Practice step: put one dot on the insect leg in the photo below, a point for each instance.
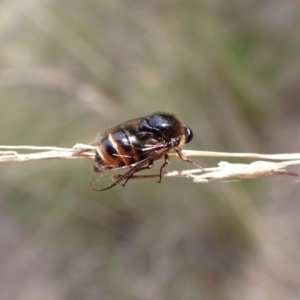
(167, 161)
(184, 158)
(149, 166)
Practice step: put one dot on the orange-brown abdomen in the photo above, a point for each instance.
(116, 150)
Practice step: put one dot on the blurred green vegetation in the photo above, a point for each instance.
(69, 69)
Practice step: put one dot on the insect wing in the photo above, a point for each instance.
(105, 180)
(131, 124)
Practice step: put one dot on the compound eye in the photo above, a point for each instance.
(188, 134)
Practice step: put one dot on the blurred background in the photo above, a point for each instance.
(69, 69)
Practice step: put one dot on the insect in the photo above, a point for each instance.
(136, 144)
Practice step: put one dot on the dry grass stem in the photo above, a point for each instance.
(225, 170)
(228, 170)
(78, 151)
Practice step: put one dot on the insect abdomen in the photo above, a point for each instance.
(116, 150)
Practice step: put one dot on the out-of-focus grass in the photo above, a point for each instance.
(69, 69)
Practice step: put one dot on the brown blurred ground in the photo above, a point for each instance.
(69, 69)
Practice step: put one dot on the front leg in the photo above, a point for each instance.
(184, 158)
